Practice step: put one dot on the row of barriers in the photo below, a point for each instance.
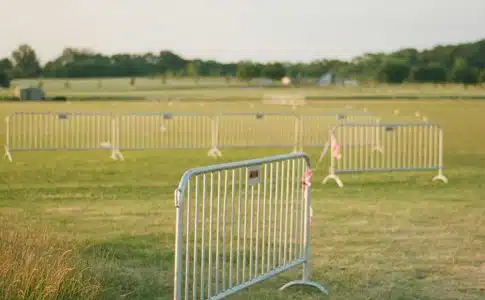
(356, 142)
(141, 131)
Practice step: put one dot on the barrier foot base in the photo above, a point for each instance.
(335, 178)
(378, 149)
(305, 282)
(116, 155)
(440, 177)
(214, 152)
(8, 155)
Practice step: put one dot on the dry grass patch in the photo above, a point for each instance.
(36, 265)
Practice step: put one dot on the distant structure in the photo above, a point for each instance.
(325, 80)
(285, 80)
(29, 93)
(330, 79)
(284, 99)
(261, 81)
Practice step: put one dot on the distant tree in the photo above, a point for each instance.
(171, 61)
(463, 73)
(247, 70)
(6, 65)
(274, 71)
(26, 63)
(434, 73)
(164, 77)
(193, 71)
(4, 79)
(438, 73)
(481, 78)
(228, 79)
(394, 71)
(5, 72)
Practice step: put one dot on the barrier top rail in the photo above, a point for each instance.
(257, 113)
(389, 124)
(227, 166)
(62, 113)
(162, 113)
(345, 113)
(166, 113)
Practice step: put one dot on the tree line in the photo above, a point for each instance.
(461, 63)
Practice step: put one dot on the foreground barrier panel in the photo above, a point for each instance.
(60, 132)
(404, 147)
(241, 223)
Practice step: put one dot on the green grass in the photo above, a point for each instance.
(383, 236)
(211, 88)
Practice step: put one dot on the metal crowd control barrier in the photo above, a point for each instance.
(161, 130)
(241, 223)
(60, 131)
(245, 130)
(314, 128)
(141, 131)
(404, 147)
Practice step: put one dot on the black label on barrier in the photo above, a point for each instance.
(167, 116)
(340, 116)
(254, 175)
(259, 116)
(62, 116)
(390, 128)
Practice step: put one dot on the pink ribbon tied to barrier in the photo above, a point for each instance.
(307, 182)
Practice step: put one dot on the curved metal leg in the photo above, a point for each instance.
(378, 148)
(8, 155)
(441, 177)
(305, 282)
(116, 154)
(335, 178)
(214, 152)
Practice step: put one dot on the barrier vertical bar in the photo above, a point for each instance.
(440, 175)
(7, 139)
(214, 151)
(297, 138)
(115, 139)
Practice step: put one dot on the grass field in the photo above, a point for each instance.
(383, 236)
(218, 88)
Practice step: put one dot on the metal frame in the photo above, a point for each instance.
(163, 130)
(210, 185)
(418, 146)
(73, 137)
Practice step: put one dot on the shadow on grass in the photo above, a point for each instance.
(141, 267)
(134, 267)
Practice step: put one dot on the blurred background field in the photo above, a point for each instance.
(213, 88)
(383, 236)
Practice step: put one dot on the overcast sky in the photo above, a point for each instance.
(229, 30)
